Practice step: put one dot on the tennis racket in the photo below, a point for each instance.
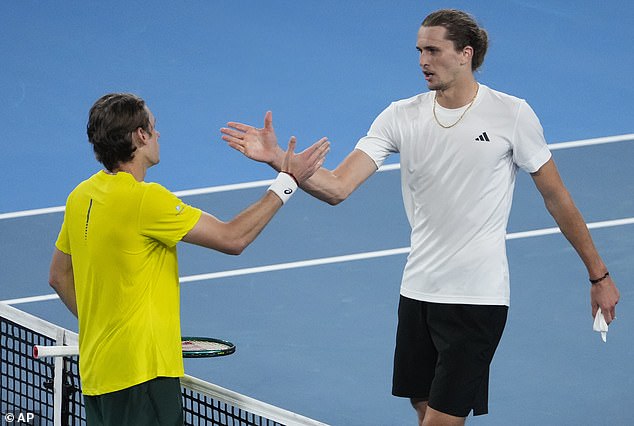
(193, 347)
(203, 347)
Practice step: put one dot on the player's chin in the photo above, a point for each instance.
(433, 86)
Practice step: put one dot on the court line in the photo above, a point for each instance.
(379, 253)
(261, 183)
(336, 259)
(593, 141)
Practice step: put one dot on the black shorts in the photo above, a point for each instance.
(443, 353)
(156, 402)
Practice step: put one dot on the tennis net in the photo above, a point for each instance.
(47, 391)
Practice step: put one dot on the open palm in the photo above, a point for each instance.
(261, 145)
(257, 144)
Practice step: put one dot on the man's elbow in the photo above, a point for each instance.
(233, 251)
(334, 201)
(337, 197)
(54, 281)
(234, 247)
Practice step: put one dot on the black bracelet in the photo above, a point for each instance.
(598, 280)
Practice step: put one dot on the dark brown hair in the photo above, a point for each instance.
(463, 31)
(112, 121)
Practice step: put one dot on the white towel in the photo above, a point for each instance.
(600, 325)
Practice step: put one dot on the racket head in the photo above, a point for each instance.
(205, 347)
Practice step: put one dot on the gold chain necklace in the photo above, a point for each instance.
(461, 115)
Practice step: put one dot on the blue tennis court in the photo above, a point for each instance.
(311, 305)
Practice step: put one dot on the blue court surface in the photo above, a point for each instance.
(311, 305)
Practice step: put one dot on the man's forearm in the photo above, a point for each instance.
(573, 226)
(62, 279)
(69, 298)
(335, 186)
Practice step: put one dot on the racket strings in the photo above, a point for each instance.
(201, 345)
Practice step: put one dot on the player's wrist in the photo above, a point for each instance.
(284, 186)
(599, 279)
(292, 176)
(278, 159)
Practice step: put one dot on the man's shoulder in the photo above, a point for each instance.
(499, 96)
(155, 188)
(414, 101)
(115, 185)
(85, 184)
(412, 105)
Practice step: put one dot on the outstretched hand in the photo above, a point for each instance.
(303, 165)
(261, 145)
(256, 144)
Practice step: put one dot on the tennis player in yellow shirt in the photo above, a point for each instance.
(115, 263)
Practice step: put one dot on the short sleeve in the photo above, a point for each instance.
(63, 240)
(530, 151)
(380, 141)
(164, 217)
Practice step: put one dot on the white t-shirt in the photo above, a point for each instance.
(457, 186)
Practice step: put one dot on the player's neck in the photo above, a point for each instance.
(138, 171)
(458, 95)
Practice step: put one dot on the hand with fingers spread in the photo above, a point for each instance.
(303, 165)
(257, 144)
(261, 144)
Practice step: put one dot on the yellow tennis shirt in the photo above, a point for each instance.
(122, 237)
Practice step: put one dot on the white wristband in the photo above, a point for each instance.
(284, 186)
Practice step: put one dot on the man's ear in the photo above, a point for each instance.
(139, 137)
(467, 54)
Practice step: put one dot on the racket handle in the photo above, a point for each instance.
(51, 351)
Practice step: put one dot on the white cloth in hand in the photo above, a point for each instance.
(600, 325)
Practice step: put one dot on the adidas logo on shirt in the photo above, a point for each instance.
(483, 138)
